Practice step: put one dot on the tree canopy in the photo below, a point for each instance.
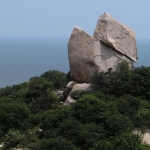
(31, 117)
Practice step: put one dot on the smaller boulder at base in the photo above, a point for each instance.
(84, 87)
(69, 101)
(70, 84)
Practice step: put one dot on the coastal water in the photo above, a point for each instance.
(21, 59)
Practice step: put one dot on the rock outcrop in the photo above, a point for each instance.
(65, 97)
(117, 35)
(145, 136)
(69, 101)
(112, 43)
(83, 52)
(88, 55)
(84, 87)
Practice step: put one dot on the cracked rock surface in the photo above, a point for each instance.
(88, 55)
(117, 35)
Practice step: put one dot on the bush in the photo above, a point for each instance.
(128, 105)
(52, 118)
(142, 118)
(89, 135)
(103, 145)
(31, 139)
(78, 94)
(70, 129)
(135, 82)
(103, 119)
(44, 102)
(59, 79)
(128, 141)
(5, 91)
(13, 115)
(90, 109)
(12, 138)
(37, 87)
(117, 124)
(58, 143)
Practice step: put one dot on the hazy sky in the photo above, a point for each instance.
(56, 18)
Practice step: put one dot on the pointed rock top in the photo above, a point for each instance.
(105, 13)
(117, 35)
(76, 28)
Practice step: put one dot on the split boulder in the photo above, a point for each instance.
(88, 55)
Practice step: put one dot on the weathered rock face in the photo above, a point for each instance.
(88, 55)
(70, 84)
(112, 43)
(82, 52)
(117, 35)
(68, 88)
(109, 58)
(69, 101)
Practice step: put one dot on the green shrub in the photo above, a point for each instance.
(128, 105)
(103, 145)
(91, 109)
(5, 91)
(31, 139)
(58, 143)
(70, 129)
(117, 124)
(78, 94)
(89, 135)
(12, 138)
(59, 79)
(52, 118)
(12, 115)
(128, 141)
(37, 87)
(135, 82)
(44, 102)
(103, 119)
(142, 118)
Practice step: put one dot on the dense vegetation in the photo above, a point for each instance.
(31, 117)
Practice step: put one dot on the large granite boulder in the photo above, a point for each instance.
(88, 55)
(117, 35)
(83, 49)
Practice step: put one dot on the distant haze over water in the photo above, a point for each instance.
(21, 59)
(143, 47)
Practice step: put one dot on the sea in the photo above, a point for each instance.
(23, 58)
